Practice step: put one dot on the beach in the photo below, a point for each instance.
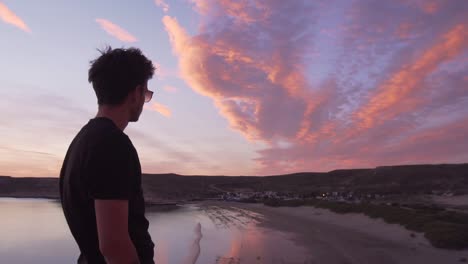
(336, 238)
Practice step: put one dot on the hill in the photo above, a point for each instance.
(405, 179)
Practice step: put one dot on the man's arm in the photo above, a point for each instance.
(112, 226)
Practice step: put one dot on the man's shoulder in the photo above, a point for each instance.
(113, 141)
(103, 132)
(98, 140)
(92, 141)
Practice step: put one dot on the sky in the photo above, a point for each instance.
(248, 87)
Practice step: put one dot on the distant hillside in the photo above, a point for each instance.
(388, 179)
(407, 179)
(29, 187)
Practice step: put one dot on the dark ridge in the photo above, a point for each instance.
(402, 179)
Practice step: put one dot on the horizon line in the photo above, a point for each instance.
(299, 172)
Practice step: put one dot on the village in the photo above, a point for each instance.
(336, 196)
(328, 196)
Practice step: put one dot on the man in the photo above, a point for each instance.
(100, 179)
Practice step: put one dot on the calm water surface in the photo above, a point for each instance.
(35, 231)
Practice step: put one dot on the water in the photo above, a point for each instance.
(35, 231)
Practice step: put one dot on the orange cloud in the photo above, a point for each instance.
(394, 96)
(236, 79)
(247, 126)
(160, 108)
(177, 35)
(191, 57)
(116, 31)
(256, 69)
(245, 11)
(11, 18)
(189, 54)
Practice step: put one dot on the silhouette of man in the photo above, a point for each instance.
(100, 179)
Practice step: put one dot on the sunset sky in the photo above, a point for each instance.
(243, 87)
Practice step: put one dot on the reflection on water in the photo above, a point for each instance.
(35, 231)
(194, 251)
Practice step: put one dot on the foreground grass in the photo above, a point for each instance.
(443, 228)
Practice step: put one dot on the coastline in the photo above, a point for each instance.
(329, 237)
(345, 238)
(149, 204)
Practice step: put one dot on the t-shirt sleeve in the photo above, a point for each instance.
(109, 170)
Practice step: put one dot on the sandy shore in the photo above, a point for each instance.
(338, 238)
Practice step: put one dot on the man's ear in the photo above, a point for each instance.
(136, 93)
(140, 89)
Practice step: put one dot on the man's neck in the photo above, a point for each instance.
(116, 114)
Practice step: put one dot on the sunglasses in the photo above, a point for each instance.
(148, 95)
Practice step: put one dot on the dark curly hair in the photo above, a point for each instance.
(117, 72)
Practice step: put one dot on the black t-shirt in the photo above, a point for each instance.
(101, 163)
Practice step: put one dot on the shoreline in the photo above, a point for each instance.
(346, 238)
(149, 205)
(30, 197)
(329, 237)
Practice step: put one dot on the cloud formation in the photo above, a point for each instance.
(163, 5)
(160, 108)
(335, 84)
(11, 18)
(115, 30)
(395, 91)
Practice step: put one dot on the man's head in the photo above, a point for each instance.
(120, 79)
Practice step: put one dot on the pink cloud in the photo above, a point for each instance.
(163, 5)
(160, 108)
(390, 80)
(115, 30)
(397, 90)
(11, 18)
(235, 75)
